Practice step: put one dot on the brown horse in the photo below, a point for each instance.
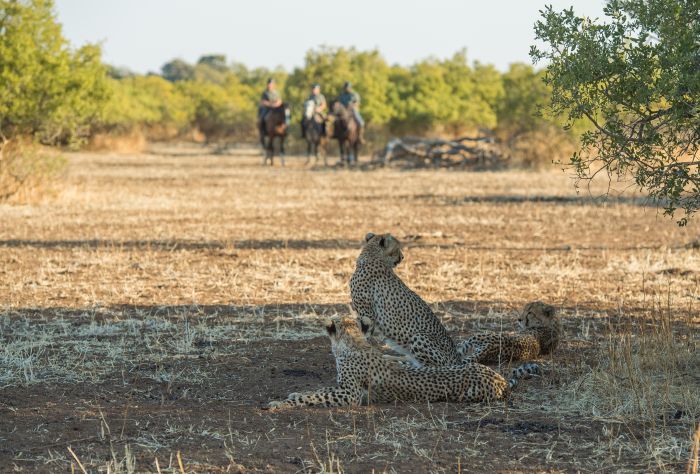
(274, 126)
(347, 131)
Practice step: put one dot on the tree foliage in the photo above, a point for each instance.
(47, 89)
(146, 101)
(177, 70)
(331, 67)
(57, 93)
(636, 78)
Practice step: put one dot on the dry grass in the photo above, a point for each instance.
(151, 308)
(133, 141)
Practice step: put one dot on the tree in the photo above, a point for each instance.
(445, 94)
(47, 90)
(177, 70)
(216, 61)
(636, 78)
(146, 101)
(525, 95)
(331, 67)
(220, 110)
(212, 68)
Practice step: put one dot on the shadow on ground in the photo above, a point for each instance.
(154, 390)
(294, 244)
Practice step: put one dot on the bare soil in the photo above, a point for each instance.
(151, 310)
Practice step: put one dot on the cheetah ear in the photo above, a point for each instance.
(369, 236)
(365, 324)
(330, 327)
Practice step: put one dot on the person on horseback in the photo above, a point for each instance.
(351, 100)
(270, 99)
(319, 101)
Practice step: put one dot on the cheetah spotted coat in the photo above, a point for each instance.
(365, 376)
(406, 322)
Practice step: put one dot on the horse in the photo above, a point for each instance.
(313, 132)
(347, 131)
(274, 126)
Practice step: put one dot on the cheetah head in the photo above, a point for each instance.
(385, 245)
(345, 332)
(537, 314)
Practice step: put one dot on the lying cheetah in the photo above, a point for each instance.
(539, 334)
(364, 376)
(406, 322)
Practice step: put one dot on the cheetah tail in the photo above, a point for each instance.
(524, 370)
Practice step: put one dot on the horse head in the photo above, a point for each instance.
(309, 109)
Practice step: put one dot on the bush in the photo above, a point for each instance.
(27, 170)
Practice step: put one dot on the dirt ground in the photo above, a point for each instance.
(150, 311)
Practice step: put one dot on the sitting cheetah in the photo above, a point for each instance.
(364, 376)
(406, 322)
(540, 332)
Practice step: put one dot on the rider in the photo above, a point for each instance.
(269, 99)
(351, 100)
(319, 101)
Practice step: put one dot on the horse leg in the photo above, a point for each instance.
(264, 149)
(282, 148)
(271, 149)
(348, 152)
(308, 151)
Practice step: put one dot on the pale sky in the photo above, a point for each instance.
(144, 34)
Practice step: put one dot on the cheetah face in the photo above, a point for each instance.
(537, 314)
(389, 245)
(346, 331)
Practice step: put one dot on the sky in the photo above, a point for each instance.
(142, 35)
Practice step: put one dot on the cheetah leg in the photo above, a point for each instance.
(523, 371)
(470, 350)
(424, 353)
(478, 354)
(327, 397)
(480, 351)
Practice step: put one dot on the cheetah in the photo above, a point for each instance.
(365, 376)
(539, 334)
(407, 323)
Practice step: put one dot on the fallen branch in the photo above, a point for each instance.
(413, 152)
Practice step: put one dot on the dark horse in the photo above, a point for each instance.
(274, 126)
(313, 133)
(347, 131)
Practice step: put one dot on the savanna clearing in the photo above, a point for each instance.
(158, 302)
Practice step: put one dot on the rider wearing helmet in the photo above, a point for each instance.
(319, 101)
(269, 99)
(351, 100)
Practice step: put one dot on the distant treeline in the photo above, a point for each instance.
(219, 98)
(60, 94)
